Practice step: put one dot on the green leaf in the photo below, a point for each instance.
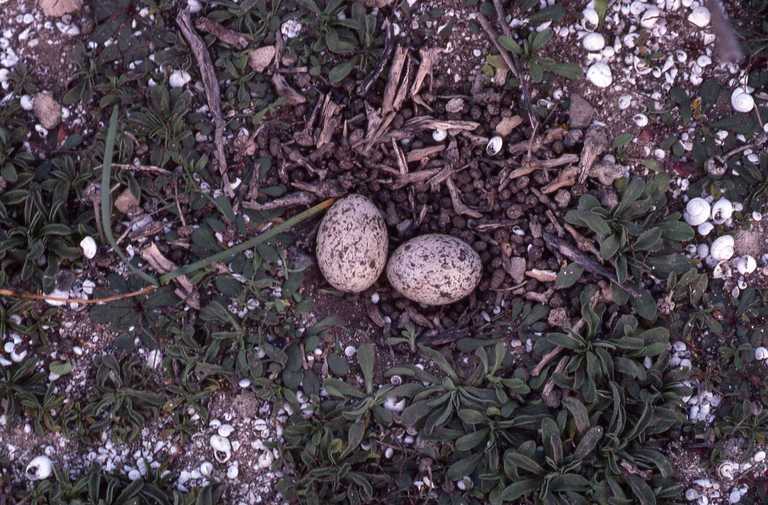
(541, 38)
(519, 460)
(337, 365)
(338, 45)
(567, 340)
(341, 389)
(569, 276)
(648, 240)
(463, 467)
(519, 489)
(469, 416)
(641, 489)
(645, 305)
(414, 412)
(550, 435)
(601, 6)
(471, 440)
(510, 45)
(622, 140)
(60, 368)
(630, 368)
(568, 483)
(579, 412)
(439, 360)
(609, 246)
(710, 91)
(677, 231)
(340, 72)
(366, 356)
(570, 71)
(588, 442)
(354, 437)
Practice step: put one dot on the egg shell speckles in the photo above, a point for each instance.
(352, 244)
(434, 269)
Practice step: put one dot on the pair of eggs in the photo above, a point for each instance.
(352, 247)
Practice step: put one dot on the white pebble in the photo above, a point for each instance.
(600, 75)
(593, 42)
(700, 16)
(179, 78)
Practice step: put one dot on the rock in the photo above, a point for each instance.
(47, 110)
(58, 8)
(126, 202)
(600, 75)
(580, 112)
(507, 124)
(259, 59)
(516, 269)
(454, 105)
(700, 16)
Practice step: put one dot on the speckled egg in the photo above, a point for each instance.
(434, 269)
(352, 244)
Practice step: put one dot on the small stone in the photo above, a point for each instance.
(179, 78)
(259, 59)
(47, 110)
(593, 42)
(58, 8)
(600, 75)
(580, 112)
(700, 16)
(89, 247)
(516, 269)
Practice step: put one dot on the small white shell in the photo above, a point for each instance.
(89, 247)
(722, 248)
(640, 120)
(593, 42)
(439, 135)
(761, 354)
(265, 460)
(233, 471)
(206, 469)
(222, 449)
(650, 16)
(746, 264)
(700, 16)
(705, 229)
(741, 101)
(625, 101)
(722, 211)
(179, 78)
(697, 211)
(727, 470)
(590, 18)
(291, 29)
(40, 468)
(494, 146)
(760, 455)
(600, 75)
(225, 430)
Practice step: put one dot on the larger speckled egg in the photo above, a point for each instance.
(434, 269)
(352, 244)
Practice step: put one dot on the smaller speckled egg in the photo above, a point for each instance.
(434, 269)
(352, 244)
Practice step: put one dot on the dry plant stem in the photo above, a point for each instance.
(585, 262)
(178, 205)
(547, 358)
(395, 71)
(494, 40)
(222, 33)
(386, 54)
(210, 82)
(10, 293)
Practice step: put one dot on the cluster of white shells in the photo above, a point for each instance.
(706, 213)
(708, 491)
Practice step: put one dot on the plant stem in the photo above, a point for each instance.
(248, 244)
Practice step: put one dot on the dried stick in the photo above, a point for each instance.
(590, 265)
(10, 293)
(211, 84)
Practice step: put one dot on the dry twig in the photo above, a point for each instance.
(222, 33)
(210, 82)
